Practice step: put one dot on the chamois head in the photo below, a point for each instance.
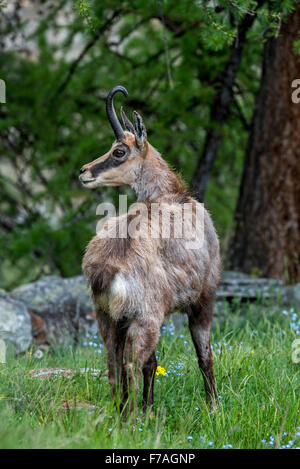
(118, 166)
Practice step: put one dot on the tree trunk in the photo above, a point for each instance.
(221, 108)
(267, 220)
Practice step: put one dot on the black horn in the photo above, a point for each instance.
(111, 113)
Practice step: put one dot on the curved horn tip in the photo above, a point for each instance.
(119, 88)
(110, 111)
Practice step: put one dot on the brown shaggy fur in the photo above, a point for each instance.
(137, 281)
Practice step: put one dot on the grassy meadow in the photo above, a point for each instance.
(257, 382)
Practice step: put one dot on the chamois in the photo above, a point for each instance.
(136, 281)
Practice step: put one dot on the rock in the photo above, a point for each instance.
(53, 294)
(61, 308)
(15, 326)
(63, 304)
(46, 373)
(80, 405)
(239, 285)
(293, 295)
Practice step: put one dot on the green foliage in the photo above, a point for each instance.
(84, 11)
(170, 56)
(257, 382)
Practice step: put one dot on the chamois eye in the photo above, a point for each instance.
(118, 153)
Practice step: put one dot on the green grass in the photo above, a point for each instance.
(257, 382)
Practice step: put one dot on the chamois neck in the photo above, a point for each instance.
(155, 179)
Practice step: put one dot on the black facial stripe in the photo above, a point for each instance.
(109, 163)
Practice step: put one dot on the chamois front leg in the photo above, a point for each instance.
(141, 340)
(149, 376)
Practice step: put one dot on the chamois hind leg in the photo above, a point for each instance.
(200, 318)
(113, 334)
(149, 370)
(141, 340)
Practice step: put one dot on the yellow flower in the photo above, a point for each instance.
(252, 352)
(160, 371)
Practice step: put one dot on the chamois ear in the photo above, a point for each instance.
(126, 122)
(139, 130)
